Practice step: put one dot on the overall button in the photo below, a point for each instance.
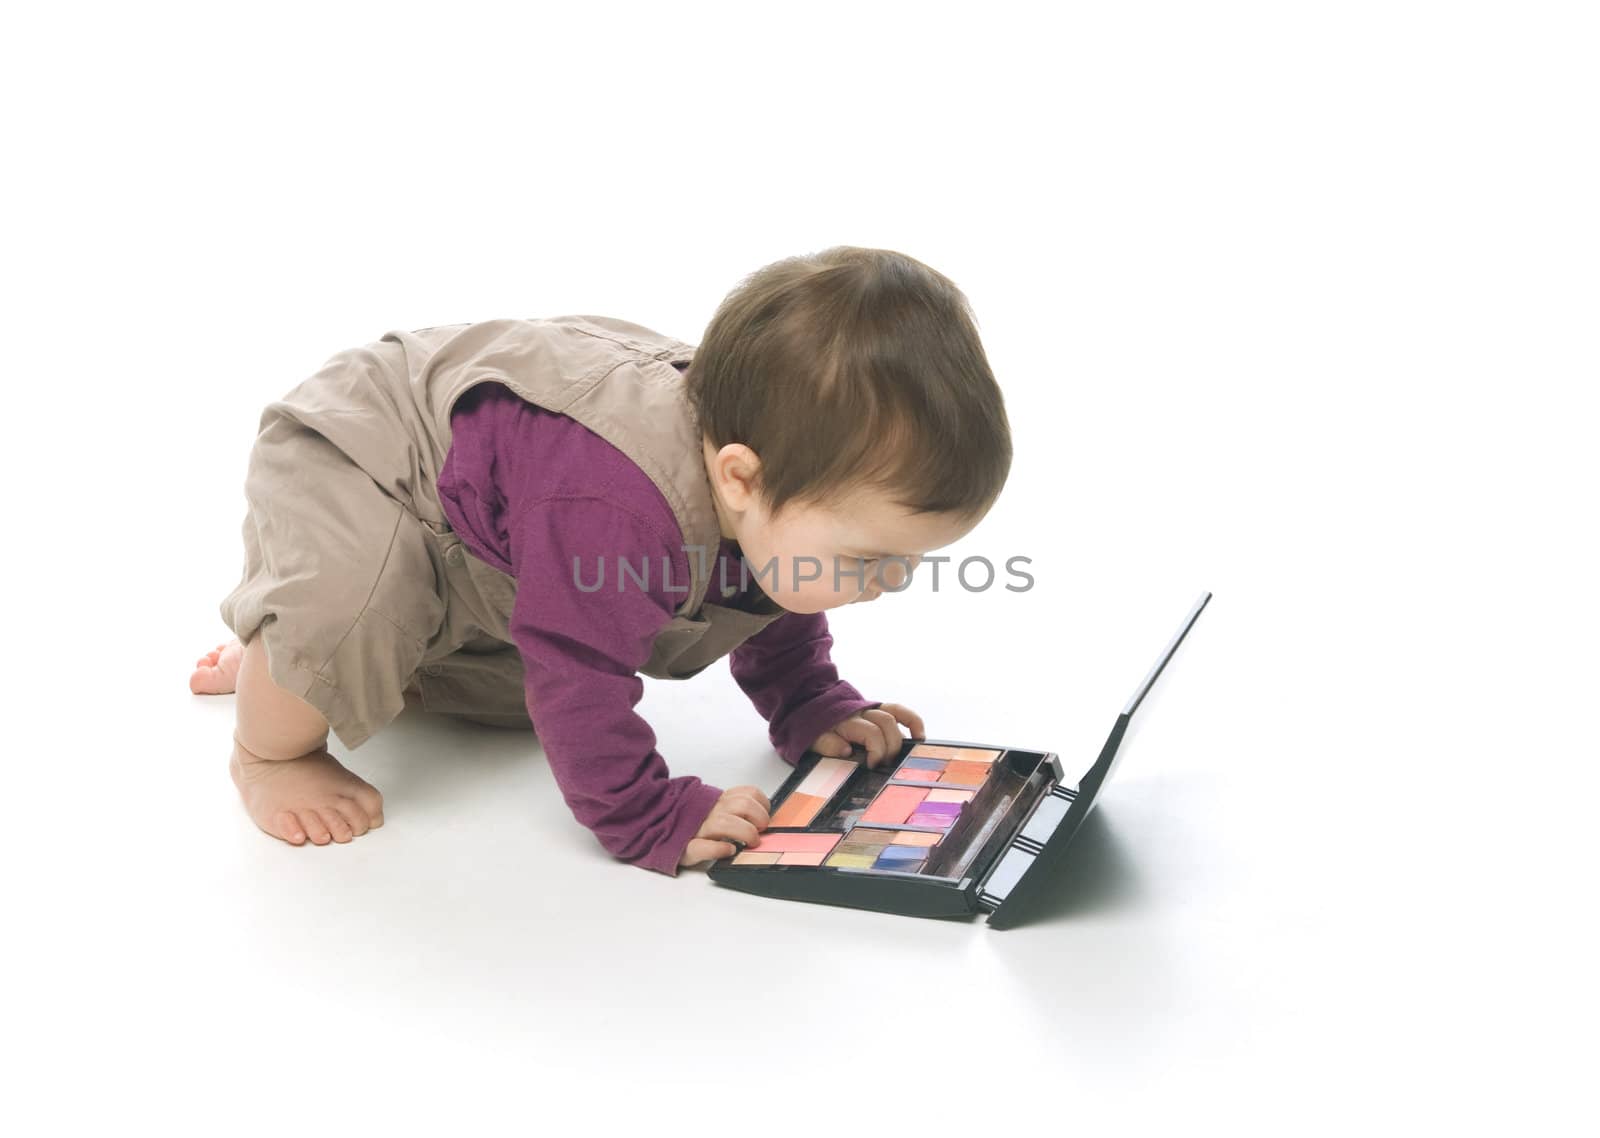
(454, 555)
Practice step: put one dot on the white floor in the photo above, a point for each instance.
(1279, 896)
(1296, 308)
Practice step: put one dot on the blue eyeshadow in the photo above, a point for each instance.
(904, 853)
(924, 764)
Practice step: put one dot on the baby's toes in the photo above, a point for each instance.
(336, 822)
(350, 810)
(288, 827)
(208, 680)
(316, 828)
(369, 799)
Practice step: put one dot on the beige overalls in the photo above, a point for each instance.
(351, 572)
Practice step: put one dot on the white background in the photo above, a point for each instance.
(1292, 303)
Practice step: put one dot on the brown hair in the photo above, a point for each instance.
(855, 367)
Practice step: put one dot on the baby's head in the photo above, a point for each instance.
(849, 418)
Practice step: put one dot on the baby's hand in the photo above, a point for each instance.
(877, 729)
(740, 815)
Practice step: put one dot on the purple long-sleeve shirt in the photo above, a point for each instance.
(529, 490)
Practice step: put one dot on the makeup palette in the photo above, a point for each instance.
(940, 829)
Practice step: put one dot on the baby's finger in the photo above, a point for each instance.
(888, 725)
(868, 734)
(729, 827)
(910, 718)
(754, 792)
(702, 849)
(746, 807)
(833, 744)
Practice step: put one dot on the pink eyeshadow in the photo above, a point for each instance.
(794, 843)
(893, 804)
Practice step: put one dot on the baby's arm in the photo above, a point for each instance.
(581, 652)
(789, 676)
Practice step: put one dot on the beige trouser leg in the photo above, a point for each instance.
(269, 722)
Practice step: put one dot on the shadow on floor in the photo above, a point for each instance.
(1096, 877)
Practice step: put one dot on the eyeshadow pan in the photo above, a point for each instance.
(797, 809)
(869, 834)
(923, 764)
(967, 774)
(871, 849)
(748, 858)
(942, 821)
(812, 794)
(826, 777)
(915, 838)
(950, 796)
(900, 853)
(851, 860)
(958, 754)
(786, 843)
(918, 775)
(894, 803)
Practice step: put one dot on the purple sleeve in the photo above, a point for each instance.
(581, 651)
(787, 673)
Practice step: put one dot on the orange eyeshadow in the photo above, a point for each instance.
(968, 774)
(914, 838)
(748, 858)
(797, 810)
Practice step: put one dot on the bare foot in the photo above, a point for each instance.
(217, 672)
(313, 796)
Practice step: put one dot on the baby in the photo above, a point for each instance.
(509, 521)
